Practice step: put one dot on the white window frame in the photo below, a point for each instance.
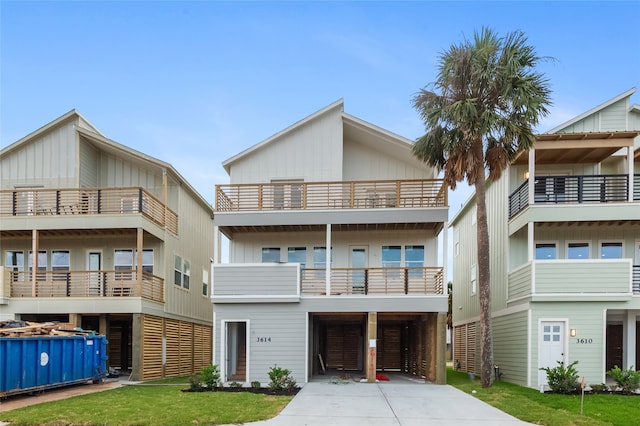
(610, 241)
(555, 243)
(182, 272)
(473, 279)
(588, 243)
(205, 283)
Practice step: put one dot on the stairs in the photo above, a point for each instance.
(241, 369)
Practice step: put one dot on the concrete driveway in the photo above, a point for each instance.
(387, 404)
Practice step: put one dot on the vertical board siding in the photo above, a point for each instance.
(152, 336)
(510, 346)
(89, 165)
(312, 151)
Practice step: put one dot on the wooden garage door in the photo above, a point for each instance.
(389, 354)
(343, 346)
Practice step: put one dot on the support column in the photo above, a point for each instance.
(629, 340)
(137, 358)
(372, 338)
(431, 341)
(630, 169)
(441, 355)
(328, 262)
(140, 247)
(75, 320)
(532, 178)
(34, 262)
(102, 327)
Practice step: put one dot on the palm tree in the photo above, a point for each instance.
(478, 116)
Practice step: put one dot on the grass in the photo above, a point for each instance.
(150, 405)
(550, 409)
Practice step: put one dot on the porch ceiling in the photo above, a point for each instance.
(70, 233)
(567, 148)
(229, 231)
(587, 223)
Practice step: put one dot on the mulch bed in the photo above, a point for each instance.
(262, 391)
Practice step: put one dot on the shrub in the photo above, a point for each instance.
(281, 379)
(561, 379)
(599, 388)
(194, 382)
(210, 376)
(628, 381)
(235, 385)
(255, 385)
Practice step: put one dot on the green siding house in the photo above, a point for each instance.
(564, 229)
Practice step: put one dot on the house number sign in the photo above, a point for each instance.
(263, 339)
(584, 341)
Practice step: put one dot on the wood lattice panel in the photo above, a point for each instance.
(389, 353)
(185, 362)
(172, 334)
(152, 331)
(464, 351)
(202, 346)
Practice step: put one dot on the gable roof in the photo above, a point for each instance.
(600, 107)
(71, 115)
(228, 162)
(105, 144)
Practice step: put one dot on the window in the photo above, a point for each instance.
(546, 251)
(611, 250)
(456, 242)
(14, 260)
(42, 263)
(270, 254)
(391, 256)
(123, 261)
(320, 257)
(414, 256)
(474, 279)
(578, 251)
(60, 261)
(205, 282)
(297, 255)
(147, 260)
(182, 272)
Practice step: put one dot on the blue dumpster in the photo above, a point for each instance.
(36, 363)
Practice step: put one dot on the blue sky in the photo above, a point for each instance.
(193, 83)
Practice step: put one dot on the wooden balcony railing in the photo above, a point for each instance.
(331, 195)
(374, 281)
(87, 201)
(574, 189)
(93, 284)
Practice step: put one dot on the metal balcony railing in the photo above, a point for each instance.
(635, 279)
(374, 281)
(90, 284)
(331, 195)
(87, 201)
(574, 189)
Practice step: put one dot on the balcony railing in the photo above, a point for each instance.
(91, 284)
(87, 201)
(574, 189)
(635, 279)
(374, 281)
(331, 195)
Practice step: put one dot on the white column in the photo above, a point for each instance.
(629, 340)
(630, 171)
(445, 256)
(328, 262)
(531, 236)
(532, 171)
(216, 245)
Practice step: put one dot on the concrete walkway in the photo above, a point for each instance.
(387, 404)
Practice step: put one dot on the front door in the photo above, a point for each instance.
(235, 352)
(551, 351)
(358, 268)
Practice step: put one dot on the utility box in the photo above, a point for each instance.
(29, 364)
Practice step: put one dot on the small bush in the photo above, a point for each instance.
(255, 385)
(599, 388)
(210, 376)
(235, 385)
(194, 382)
(561, 379)
(627, 381)
(281, 379)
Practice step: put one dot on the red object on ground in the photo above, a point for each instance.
(380, 376)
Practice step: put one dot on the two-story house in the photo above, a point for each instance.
(334, 261)
(122, 245)
(564, 230)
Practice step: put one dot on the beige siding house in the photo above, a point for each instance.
(565, 253)
(122, 245)
(333, 258)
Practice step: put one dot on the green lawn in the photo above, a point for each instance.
(150, 405)
(549, 409)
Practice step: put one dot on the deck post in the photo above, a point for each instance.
(372, 333)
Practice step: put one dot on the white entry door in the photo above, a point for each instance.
(552, 344)
(94, 266)
(359, 262)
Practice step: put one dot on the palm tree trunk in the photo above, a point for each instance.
(484, 282)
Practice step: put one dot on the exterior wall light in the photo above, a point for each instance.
(573, 332)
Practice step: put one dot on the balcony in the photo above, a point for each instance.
(331, 195)
(374, 281)
(87, 201)
(89, 284)
(574, 190)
